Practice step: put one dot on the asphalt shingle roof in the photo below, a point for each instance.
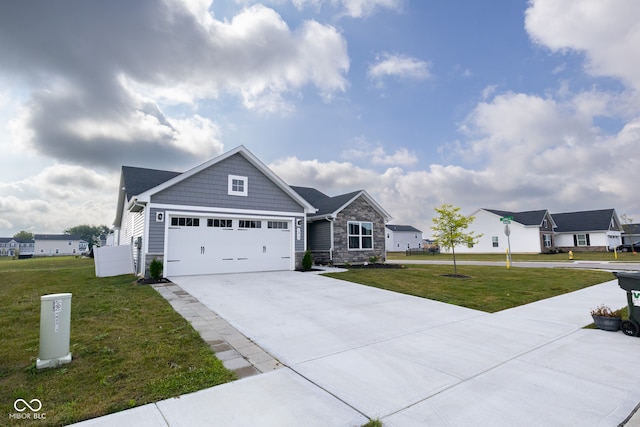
(583, 221)
(410, 228)
(139, 180)
(325, 204)
(524, 218)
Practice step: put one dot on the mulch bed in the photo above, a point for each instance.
(150, 281)
(372, 265)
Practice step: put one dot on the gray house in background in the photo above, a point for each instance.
(403, 237)
(349, 228)
(631, 233)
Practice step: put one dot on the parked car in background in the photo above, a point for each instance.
(628, 247)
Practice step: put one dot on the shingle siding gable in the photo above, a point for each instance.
(209, 188)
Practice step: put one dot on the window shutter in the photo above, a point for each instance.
(575, 240)
(588, 242)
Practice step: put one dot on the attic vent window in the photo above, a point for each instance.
(238, 185)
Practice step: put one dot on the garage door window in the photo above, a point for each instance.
(221, 223)
(250, 224)
(280, 225)
(360, 235)
(185, 221)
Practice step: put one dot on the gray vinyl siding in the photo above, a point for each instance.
(319, 237)
(156, 233)
(209, 188)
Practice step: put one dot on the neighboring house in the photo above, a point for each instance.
(631, 233)
(530, 232)
(402, 237)
(83, 246)
(27, 248)
(539, 231)
(598, 230)
(10, 246)
(57, 244)
(349, 228)
(229, 214)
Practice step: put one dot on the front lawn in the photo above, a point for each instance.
(129, 346)
(577, 256)
(488, 289)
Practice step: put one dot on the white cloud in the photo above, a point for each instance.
(399, 66)
(352, 8)
(376, 154)
(608, 33)
(88, 102)
(57, 198)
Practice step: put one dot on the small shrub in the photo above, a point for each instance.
(155, 269)
(373, 259)
(307, 261)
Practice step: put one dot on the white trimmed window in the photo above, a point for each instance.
(238, 185)
(494, 241)
(582, 239)
(360, 235)
(546, 238)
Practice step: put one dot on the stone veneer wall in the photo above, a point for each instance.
(359, 210)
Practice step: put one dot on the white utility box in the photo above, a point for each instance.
(55, 324)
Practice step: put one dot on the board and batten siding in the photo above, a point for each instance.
(319, 237)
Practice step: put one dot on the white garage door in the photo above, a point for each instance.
(199, 245)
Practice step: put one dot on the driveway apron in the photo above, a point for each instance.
(412, 361)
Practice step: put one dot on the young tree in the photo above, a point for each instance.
(449, 229)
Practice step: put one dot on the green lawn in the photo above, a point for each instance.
(488, 289)
(577, 256)
(129, 346)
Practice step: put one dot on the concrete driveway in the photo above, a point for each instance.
(359, 351)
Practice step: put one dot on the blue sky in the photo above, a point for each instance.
(512, 105)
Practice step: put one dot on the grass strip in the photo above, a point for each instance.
(129, 346)
(488, 289)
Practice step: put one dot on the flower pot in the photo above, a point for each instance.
(607, 323)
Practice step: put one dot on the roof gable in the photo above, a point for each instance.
(331, 206)
(145, 197)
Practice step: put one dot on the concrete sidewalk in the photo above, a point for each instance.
(353, 352)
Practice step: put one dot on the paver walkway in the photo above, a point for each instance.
(237, 352)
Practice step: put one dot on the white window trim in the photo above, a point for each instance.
(584, 238)
(360, 248)
(245, 186)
